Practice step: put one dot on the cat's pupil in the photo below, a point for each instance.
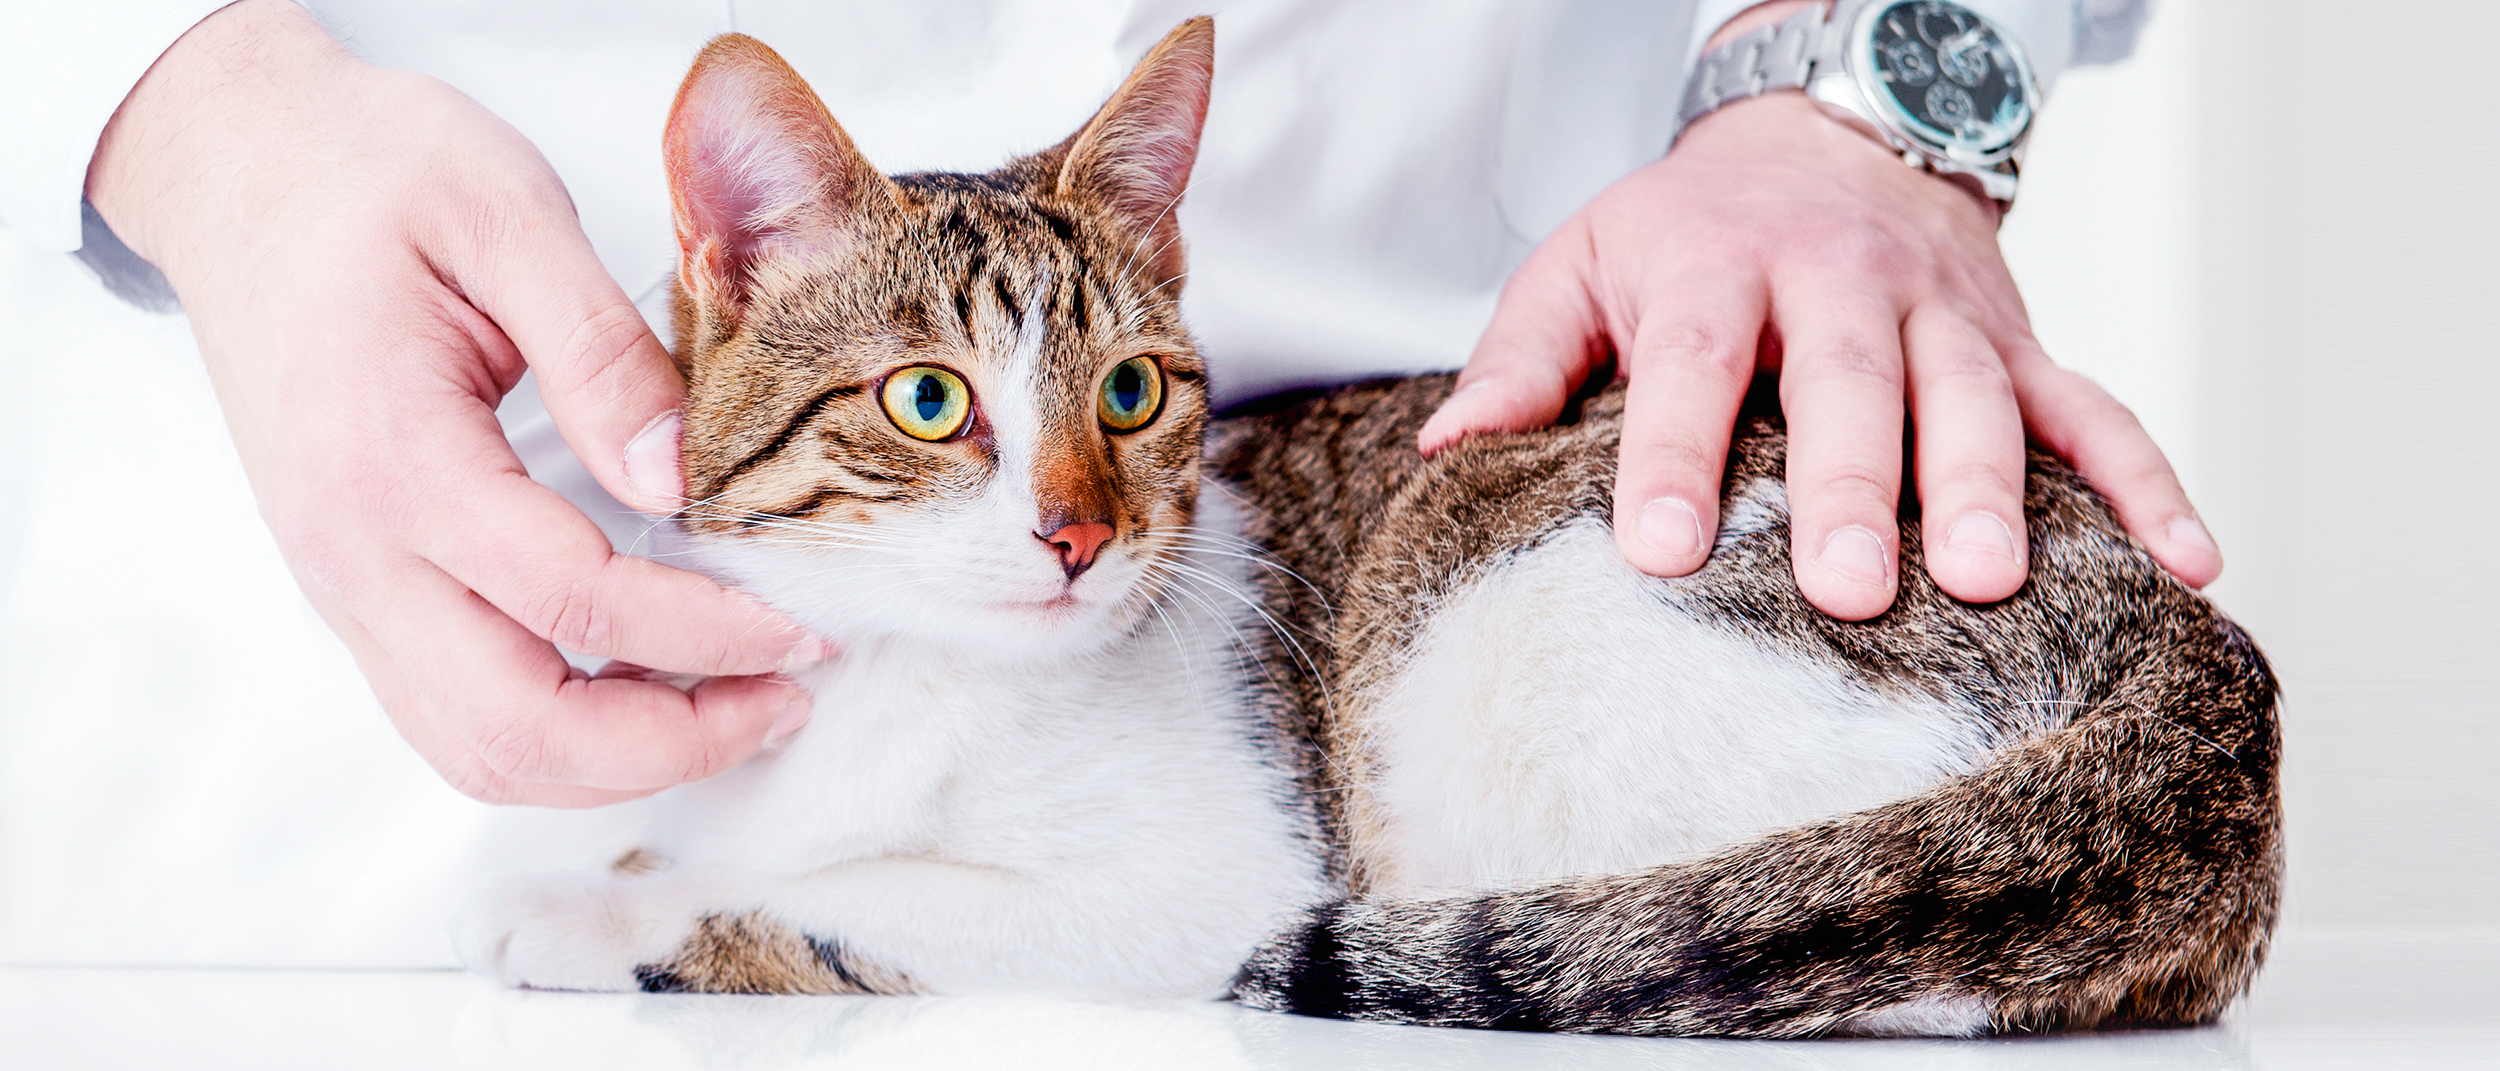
(1127, 387)
(929, 398)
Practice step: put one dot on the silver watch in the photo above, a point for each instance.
(1936, 81)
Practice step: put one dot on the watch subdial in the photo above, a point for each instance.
(1964, 57)
(1951, 108)
(1907, 63)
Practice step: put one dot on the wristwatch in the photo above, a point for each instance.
(1936, 81)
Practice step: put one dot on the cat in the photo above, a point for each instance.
(1134, 701)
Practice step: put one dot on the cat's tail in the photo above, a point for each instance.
(2120, 870)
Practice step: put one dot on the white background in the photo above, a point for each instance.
(2270, 232)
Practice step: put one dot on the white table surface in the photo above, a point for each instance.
(2400, 1000)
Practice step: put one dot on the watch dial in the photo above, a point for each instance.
(1948, 74)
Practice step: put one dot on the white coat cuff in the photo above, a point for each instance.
(65, 65)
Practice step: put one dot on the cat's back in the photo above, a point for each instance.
(1502, 698)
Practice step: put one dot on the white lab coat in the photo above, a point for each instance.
(191, 771)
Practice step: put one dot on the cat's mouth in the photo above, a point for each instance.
(1058, 607)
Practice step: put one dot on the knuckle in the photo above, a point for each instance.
(2147, 476)
(1984, 479)
(709, 755)
(1855, 488)
(478, 783)
(570, 615)
(515, 749)
(2106, 415)
(599, 359)
(1968, 367)
(1866, 250)
(1673, 459)
(1863, 360)
(1711, 349)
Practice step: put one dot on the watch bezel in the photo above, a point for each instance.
(1858, 57)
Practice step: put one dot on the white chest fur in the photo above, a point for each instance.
(1564, 715)
(1108, 823)
(916, 750)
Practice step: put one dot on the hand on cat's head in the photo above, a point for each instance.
(1776, 240)
(370, 261)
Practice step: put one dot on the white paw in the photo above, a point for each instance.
(565, 931)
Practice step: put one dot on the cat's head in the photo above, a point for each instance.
(953, 407)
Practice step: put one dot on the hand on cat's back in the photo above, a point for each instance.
(1773, 238)
(370, 261)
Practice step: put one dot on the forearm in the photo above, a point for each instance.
(167, 168)
(64, 67)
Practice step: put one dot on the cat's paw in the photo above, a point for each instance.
(566, 931)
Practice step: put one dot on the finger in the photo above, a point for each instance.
(1841, 387)
(452, 759)
(1969, 457)
(606, 379)
(533, 556)
(1545, 339)
(1689, 367)
(478, 688)
(2078, 421)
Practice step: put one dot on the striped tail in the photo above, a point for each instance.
(2119, 871)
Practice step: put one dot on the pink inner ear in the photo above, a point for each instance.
(746, 177)
(1139, 149)
(753, 163)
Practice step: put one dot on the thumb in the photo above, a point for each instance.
(607, 381)
(1547, 335)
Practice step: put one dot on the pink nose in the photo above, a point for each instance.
(1076, 544)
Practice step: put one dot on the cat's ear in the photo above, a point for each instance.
(757, 169)
(1134, 157)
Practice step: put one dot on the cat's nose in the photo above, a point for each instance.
(1076, 544)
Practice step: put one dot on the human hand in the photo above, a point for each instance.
(1774, 237)
(370, 261)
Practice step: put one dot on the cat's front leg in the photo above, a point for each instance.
(578, 931)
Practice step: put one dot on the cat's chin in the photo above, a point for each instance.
(952, 607)
(1057, 628)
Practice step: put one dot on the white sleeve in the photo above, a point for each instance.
(2055, 34)
(65, 65)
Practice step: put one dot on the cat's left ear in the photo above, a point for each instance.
(1134, 157)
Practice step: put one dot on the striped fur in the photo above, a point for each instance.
(1492, 806)
(2112, 861)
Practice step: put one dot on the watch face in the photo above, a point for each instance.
(1945, 74)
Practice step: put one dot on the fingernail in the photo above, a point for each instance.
(1670, 527)
(808, 653)
(2188, 531)
(651, 459)
(1855, 553)
(793, 718)
(1981, 531)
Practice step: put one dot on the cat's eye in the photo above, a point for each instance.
(1132, 394)
(927, 403)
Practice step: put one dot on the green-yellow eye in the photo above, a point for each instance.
(1132, 394)
(927, 403)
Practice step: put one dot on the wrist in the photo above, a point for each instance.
(1934, 83)
(208, 121)
(1799, 132)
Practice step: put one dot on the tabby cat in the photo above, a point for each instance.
(1135, 703)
